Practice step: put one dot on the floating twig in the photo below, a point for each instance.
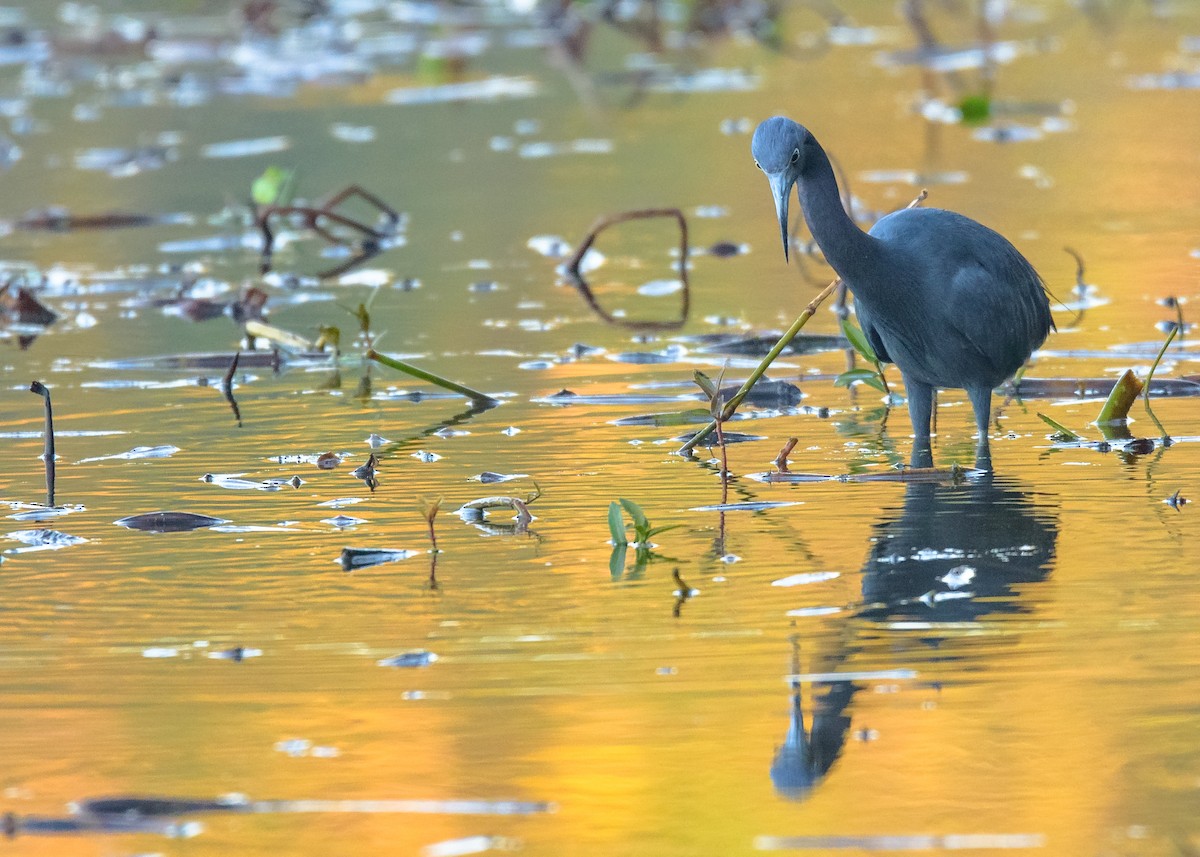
(48, 449)
(479, 398)
(477, 508)
(578, 280)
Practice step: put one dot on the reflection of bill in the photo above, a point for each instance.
(955, 554)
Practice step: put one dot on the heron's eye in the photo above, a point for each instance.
(757, 164)
(795, 155)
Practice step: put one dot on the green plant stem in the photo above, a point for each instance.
(790, 334)
(1150, 377)
(437, 380)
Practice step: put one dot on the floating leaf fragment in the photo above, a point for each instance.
(415, 658)
(343, 521)
(353, 558)
(138, 452)
(42, 539)
(169, 522)
(328, 460)
(489, 477)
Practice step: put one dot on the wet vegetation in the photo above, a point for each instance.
(302, 277)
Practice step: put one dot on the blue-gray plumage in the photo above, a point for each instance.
(949, 301)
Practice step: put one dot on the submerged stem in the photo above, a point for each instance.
(438, 380)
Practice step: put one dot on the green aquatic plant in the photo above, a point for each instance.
(274, 187)
(642, 529)
(871, 377)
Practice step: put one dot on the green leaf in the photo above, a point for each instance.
(1124, 394)
(866, 376)
(706, 384)
(616, 525)
(656, 530)
(858, 340)
(975, 109)
(1061, 432)
(273, 187)
(641, 525)
(616, 560)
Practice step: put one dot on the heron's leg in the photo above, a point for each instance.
(920, 410)
(981, 402)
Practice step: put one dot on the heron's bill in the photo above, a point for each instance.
(781, 187)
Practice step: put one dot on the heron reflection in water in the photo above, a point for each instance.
(954, 554)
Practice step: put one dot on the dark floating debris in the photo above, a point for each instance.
(164, 815)
(136, 807)
(1177, 501)
(58, 219)
(726, 436)
(725, 249)
(416, 658)
(272, 360)
(23, 308)
(353, 558)
(489, 477)
(169, 522)
(236, 654)
(367, 472)
(758, 346)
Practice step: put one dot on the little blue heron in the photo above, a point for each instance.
(949, 301)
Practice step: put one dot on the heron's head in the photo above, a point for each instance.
(778, 148)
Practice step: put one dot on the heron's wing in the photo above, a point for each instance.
(998, 307)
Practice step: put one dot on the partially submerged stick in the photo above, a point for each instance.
(437, 380)
(790, 334)
(48, 451)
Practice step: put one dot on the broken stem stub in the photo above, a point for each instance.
(48, 451)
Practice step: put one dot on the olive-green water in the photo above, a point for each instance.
(1006, 664)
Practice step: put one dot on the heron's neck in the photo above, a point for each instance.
(849, 250)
